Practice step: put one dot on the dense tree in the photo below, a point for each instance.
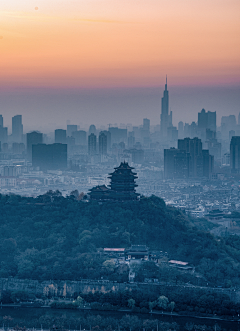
(52, 237)
(162, 302)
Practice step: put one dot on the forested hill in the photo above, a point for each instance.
(52, 237)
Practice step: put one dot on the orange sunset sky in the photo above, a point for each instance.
(96, 43)
(72, 45)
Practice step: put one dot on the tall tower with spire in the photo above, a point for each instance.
(165, 117)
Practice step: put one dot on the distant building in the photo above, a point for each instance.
(80, 137)
(49, 157)
(228, 123)
(92, 129)
(165, 117)
(60, 136)
(3, 135)
(11, 171)
(3, 131)
(8, 181)
(118, 135)
(172, 133)
(92, 144)
(17, 128)
(131, 139)
(180, 130)
(176, 163)
(235, 154)
(207, 120)
(145, 132)
(103, 144)
(146, 124)
(199, 160)
(70, 129)
(189, 160)
(18, 148)
(137, 155)
(226, 159)
(33, 138)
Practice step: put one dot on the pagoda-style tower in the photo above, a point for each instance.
(122, 186)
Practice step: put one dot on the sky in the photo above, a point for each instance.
(105, 61)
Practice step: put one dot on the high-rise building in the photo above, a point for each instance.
(169, 155)
(146, 124)
(33, 138)
(189, 160)
(102, 141)
(70, 129)
(80, 137)
(118, 135)
(180, 130)
(176, 163)
(228, 123)
(208, 163)
(194, 148)
(207, 120)
(166, 118)
(49, 157)
(172, 133)
(60, 136)
(203, 120)
(235, 154)
(212, 121)
(17, 128)
(92, 129)
(3, 134)
(92, 144)
(3, 131)
(131, 139)
(145, 132)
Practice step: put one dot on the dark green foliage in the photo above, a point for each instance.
(193, 302)
(52, 237)
(63, 305)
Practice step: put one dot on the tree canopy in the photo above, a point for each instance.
(53, 237)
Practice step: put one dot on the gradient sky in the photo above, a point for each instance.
(62, 47)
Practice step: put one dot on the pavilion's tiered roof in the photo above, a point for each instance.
(122, 185)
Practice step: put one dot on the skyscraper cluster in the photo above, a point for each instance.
(189, 150)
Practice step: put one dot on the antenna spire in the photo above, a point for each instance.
(166, 84)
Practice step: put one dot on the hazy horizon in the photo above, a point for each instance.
(48, 109)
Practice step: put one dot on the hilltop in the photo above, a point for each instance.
(52, 237)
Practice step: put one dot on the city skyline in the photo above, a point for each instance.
(104, 107)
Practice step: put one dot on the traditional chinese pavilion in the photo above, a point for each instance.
(122, 185)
